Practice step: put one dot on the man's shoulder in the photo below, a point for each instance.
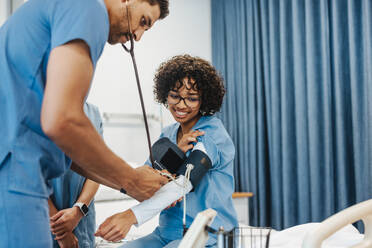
(81, 4)
(85, 20)
(91, 10)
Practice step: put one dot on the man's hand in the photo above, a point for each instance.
(169, 179)
(116, 227)
(65, 221)
(187, 139)
(147, 182)
(166, 173)
(69, 241)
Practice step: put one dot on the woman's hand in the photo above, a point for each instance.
(69, 241)
(174, 203)
(185, 143)
(65, 221)
(116, 227)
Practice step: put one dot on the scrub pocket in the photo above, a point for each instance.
(34, 160)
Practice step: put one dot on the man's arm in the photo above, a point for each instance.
(69, 74)
(75, 167)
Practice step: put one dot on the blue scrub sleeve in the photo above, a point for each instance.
(211, 149)
(94, 116)
(220, 181)
(73, 20)
(100, 128)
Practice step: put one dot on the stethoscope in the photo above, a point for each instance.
(130, 50)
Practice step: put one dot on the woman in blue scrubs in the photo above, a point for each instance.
(193, 91)
(71, 206)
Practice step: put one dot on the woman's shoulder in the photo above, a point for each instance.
(214, 130)
(213, 126)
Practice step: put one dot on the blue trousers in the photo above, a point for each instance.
(24, 219)
(154, 240)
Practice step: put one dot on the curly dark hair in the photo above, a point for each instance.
(208, 81)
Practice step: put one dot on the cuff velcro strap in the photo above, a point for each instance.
(201, 163)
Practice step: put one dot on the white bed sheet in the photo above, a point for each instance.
(293, 237)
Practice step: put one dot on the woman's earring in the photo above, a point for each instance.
(202, 112)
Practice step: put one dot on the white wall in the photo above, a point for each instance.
(7, 7)
(5, 10)
(187, 29)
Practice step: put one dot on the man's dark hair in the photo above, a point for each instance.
(163, 5)
(207, 81)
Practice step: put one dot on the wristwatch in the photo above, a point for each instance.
(83, 207)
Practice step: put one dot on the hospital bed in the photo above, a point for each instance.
(337, 229)
(361, 211)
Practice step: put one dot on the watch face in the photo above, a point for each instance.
(85, 209)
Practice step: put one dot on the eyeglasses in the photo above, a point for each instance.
(190, 101)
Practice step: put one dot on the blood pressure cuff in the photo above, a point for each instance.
(167, 155)
(201, 163)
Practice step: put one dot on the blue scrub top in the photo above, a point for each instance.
(216, 188)
(26, 40)
(67, 189)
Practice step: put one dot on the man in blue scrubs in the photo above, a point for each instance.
(48, 53)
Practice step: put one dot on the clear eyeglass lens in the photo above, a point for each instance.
(189, 101)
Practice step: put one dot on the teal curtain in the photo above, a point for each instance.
(298, 105)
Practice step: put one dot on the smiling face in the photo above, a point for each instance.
(184, 102)
(142, 16)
